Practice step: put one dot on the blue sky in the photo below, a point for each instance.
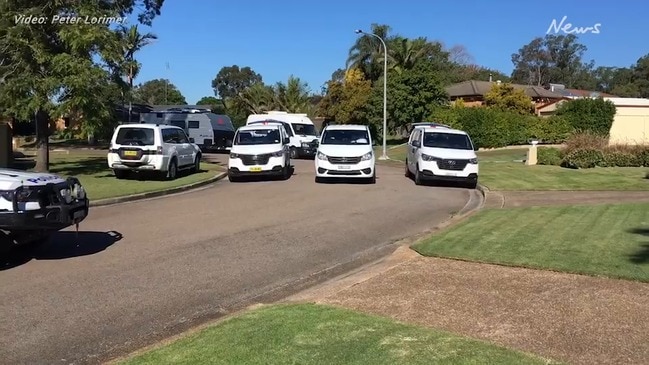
(311, 39)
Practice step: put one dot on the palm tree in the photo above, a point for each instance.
(129, 41)
(366, 53)
(405, 53)
(294, 97)
(258, 98)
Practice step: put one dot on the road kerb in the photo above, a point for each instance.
(159, 193)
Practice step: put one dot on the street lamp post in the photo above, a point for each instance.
(385, 93)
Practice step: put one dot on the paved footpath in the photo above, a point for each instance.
(572, 318)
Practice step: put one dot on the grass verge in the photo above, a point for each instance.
(610, 240)
(499, 171)
(91, 168)
(316, 334)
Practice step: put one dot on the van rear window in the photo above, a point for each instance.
(135, 136)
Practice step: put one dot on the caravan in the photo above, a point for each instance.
(208, 130)
(301, 131)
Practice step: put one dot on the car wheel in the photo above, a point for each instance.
(293, 153)
(286, 172)
(418, 180)
(121, 174)
(172, 173)
(233, 178)
(197, 164)
(473, 184)
(372, 180)
(407, 172)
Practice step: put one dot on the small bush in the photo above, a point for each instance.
(549, 156)
(621, 159)
(585, 158)
(585, 140)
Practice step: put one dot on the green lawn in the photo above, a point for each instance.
(91, 168)
(609, 240)
(498, 171)
(315, 334)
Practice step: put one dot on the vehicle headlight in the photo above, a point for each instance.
(279, 153)
(66, 194)
(322, 156)
(306, 144)
(21, 196)
(78, 192)
(426, 157)
(367, 156)
(473, 161)
(234, 155)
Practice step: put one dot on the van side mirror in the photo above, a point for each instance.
(191, 140)
(416, 144)
(287, 140)
(316, 142)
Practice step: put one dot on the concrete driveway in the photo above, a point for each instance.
(143, 271)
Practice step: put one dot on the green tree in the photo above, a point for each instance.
(53, 69)
(506, 97)
(232, 81)
(367, 52)
(412, 96)
(594, 115)
(553, 59)
(292, 97)
(158, 92)
(217, 105)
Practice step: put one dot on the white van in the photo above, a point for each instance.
(301, 131)
(441, 153)
(259, 150)
(345, 151)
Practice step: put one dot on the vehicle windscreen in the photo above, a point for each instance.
(304, 129)
(287, 127)
(345, 137)
(135, 136)
(447, 140)
(257, 136)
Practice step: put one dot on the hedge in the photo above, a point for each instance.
(492, 128)
(588, 150)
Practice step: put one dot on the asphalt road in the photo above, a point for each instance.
(145, 270)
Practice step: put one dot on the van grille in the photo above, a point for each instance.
(453, 165)
(344, 160)
(250, 160)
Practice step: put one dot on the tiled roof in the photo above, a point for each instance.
(480, 88)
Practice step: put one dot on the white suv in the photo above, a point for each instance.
(345, 151)
(260, 149)
(158, 148)
(439, 153)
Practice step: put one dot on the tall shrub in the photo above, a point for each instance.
(593, 115)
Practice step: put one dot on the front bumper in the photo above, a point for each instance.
(430, 171)
(54, 213)
(274, 166)
(363, 169)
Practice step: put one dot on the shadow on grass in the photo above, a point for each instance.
(85, 166)
(70, 143)
(394, 141)
(62, 245)
(642, 255)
